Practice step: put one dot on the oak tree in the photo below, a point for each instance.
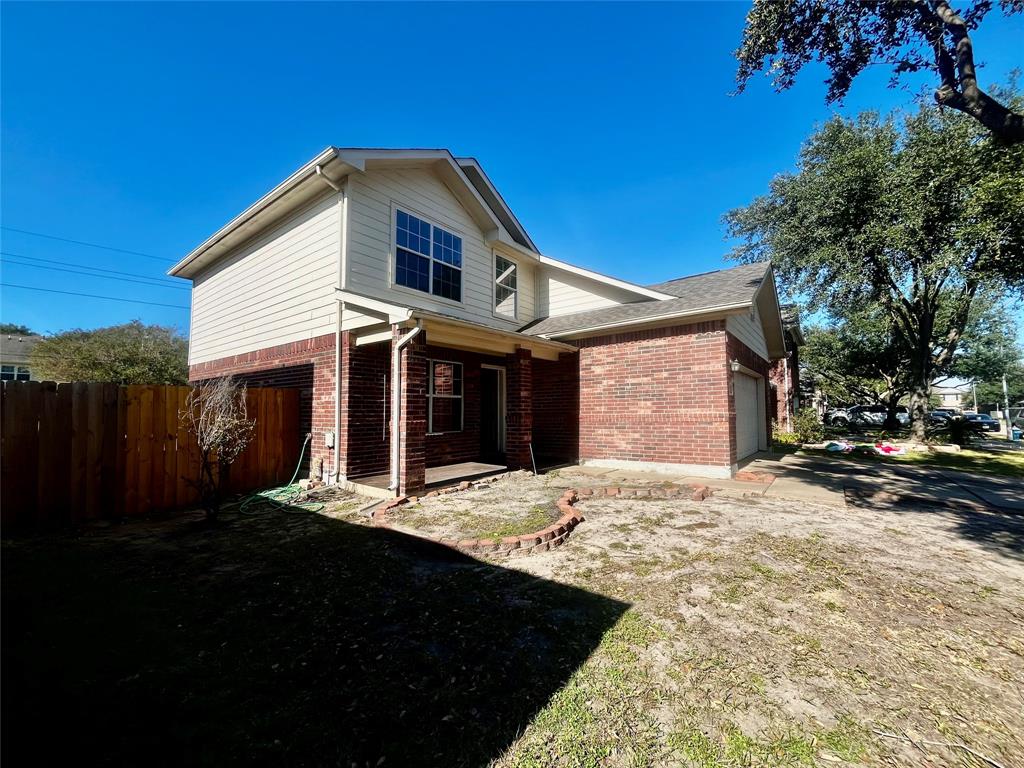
(850, 35)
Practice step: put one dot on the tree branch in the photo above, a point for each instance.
(959, 90)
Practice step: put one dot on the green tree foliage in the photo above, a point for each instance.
(916, 217)
(850, 35)
(991, 390)
(859, 360)
(13, 329)
(133, 353)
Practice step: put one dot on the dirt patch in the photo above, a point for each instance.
(511, 506)
(788, 633)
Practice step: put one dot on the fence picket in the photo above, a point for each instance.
(81, 451)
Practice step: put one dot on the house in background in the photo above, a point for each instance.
(400, 293)
(14, 357)
(785, 373)
(954, 394)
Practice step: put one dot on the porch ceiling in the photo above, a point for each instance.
(446, 331)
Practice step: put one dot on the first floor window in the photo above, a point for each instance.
(427, 258)
(444, 397)
(14, 373)
(504, 286)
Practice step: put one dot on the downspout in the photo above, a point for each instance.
(396, 399)
(333, 474)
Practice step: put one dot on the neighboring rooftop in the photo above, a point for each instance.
(15, 349)
(722, 289)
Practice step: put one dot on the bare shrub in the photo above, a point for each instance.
(216, 414)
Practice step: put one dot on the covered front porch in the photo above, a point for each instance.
(470, 400)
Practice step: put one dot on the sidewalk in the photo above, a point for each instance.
(819, 478)
(832, 481)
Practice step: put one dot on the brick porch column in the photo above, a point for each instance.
(344, 436)
(412, 466)
(519, 406)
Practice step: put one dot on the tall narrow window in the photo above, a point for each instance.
(444, 397)
(427, 258)
(505, 291)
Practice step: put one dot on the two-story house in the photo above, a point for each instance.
(400, 292)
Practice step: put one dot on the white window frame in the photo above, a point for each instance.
(494, 287)
(393, 262)
(16, 372)
(431, 396)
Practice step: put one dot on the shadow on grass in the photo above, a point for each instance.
(282, 638)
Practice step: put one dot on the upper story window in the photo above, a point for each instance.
(505, 290)
(427, 258)
(14, 373)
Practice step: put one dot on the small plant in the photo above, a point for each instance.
(216, 414)
(807, 426)
(956, 430)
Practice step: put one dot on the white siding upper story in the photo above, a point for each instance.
(749, 329)
(279, 287)
(563, 293)
(374, 197)
(276, 289)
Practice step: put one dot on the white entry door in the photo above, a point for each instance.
(748, 428)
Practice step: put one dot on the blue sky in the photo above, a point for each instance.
(610, 129)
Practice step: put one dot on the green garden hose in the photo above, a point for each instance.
(284, 497)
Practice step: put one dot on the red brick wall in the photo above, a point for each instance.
(659, 395)
(737, 350)
(369, 406)
(556, 407)
(519, 409)
(305, 365)
(461, 446)
(366, 409)
(778, 378)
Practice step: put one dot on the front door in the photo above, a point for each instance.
(492, 414)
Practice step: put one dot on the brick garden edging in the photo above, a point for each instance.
(547, 538)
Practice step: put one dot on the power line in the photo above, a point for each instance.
(91, 295)
(90, 245)
(90, 274)
(89, 266)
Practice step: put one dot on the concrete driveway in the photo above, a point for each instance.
(834, 481)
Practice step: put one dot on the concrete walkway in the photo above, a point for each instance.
(833, 481)
(817, 478)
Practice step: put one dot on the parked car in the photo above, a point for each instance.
(982, 422)
(938, 418)
(864, 415)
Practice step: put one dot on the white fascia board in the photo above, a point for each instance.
(393, 312)
(277, 192)
(503, 241)
(780, 335)
(725, 309)
(500, 200)
(639, 290)
(466, 193)
(516, 336)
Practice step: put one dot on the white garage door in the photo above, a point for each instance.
(747, 428)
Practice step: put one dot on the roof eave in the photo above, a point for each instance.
(654, 320)
(181, 269)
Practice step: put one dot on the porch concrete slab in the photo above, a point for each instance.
(444, 475)
(461, 471)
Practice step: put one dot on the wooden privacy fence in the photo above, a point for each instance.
(84, 451)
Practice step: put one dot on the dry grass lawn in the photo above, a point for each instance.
(769, 632)
(732, 632)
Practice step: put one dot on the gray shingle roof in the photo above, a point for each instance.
(724, 287)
